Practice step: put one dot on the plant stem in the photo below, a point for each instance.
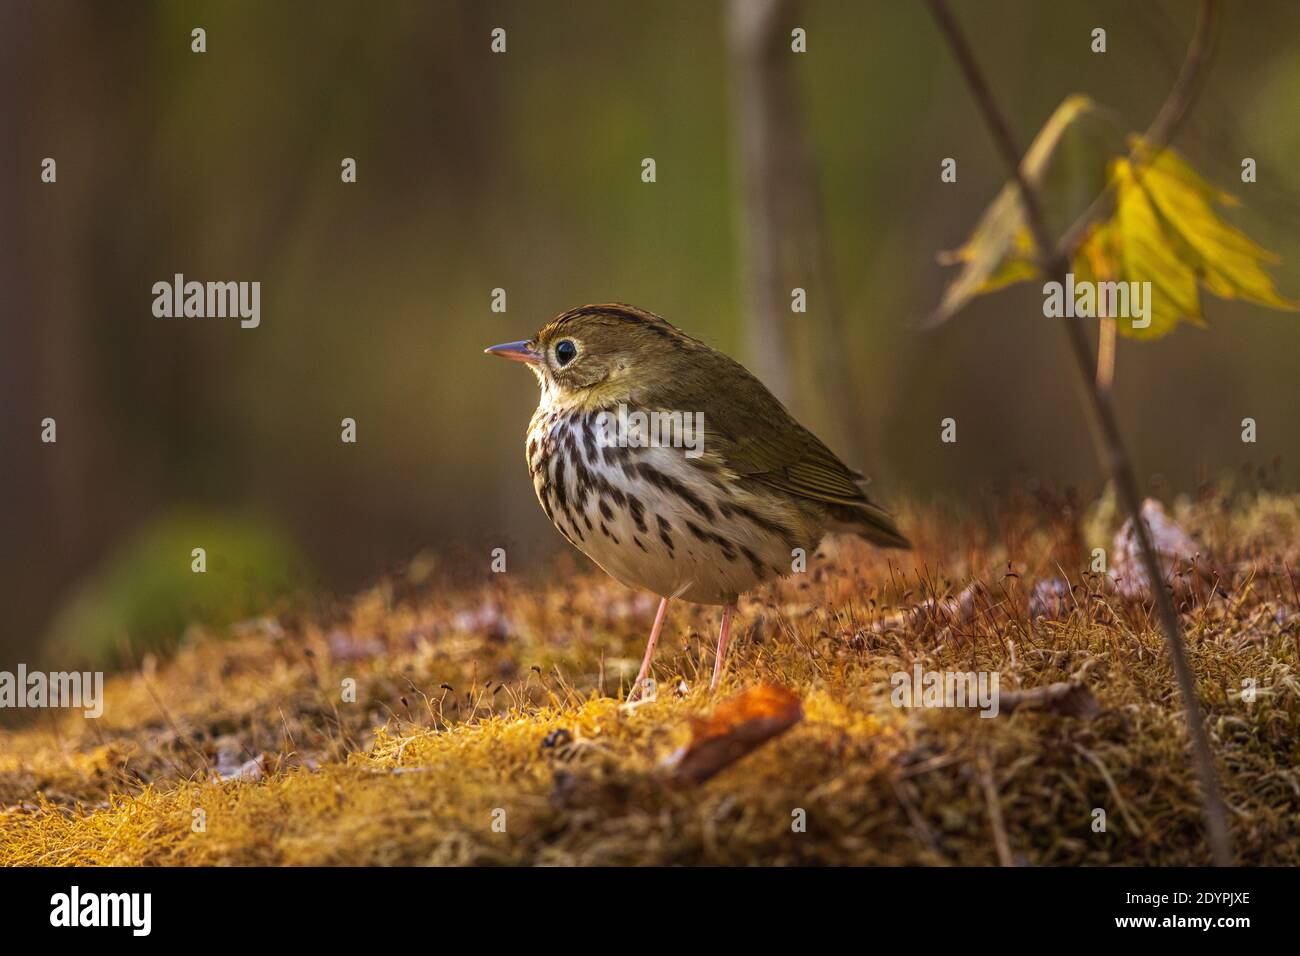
(1054, 262)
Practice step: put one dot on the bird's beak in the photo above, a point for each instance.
(517, 351)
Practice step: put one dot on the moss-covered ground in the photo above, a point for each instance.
(486, 724)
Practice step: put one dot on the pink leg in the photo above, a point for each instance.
(650, 648)
(727, 612)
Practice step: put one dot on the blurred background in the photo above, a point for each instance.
(522, 171)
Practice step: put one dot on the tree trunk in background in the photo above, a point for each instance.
(64, 263)
(24, 493)
(802, 357)
(751, 28)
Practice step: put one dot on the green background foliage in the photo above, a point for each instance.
(522, 171)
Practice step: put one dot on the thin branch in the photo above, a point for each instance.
(1168, 121)
(1000, 840)
(1053, 261)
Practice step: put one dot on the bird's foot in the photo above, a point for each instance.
(644, 691)
(724, 633)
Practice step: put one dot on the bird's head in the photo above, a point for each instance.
(598, 354)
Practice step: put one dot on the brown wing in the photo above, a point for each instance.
(755, 436)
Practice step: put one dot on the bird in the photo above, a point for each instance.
(674, 469)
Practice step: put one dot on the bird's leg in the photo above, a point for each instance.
(650, 649)
(723, 633)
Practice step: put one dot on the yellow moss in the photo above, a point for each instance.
(501, 704)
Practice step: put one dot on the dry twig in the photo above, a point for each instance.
(1053, 260)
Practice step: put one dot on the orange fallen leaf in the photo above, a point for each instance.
(737, 726)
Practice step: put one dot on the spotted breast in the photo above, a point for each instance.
(655, 518)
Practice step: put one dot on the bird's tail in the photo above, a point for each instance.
(870, 522)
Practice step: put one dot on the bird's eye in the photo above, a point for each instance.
(565, 352)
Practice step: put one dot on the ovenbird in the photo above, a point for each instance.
(673, 468)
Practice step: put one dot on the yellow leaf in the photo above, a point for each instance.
(1001, 250)
(1230, 264)
(1143, 250)
(1164, 230)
